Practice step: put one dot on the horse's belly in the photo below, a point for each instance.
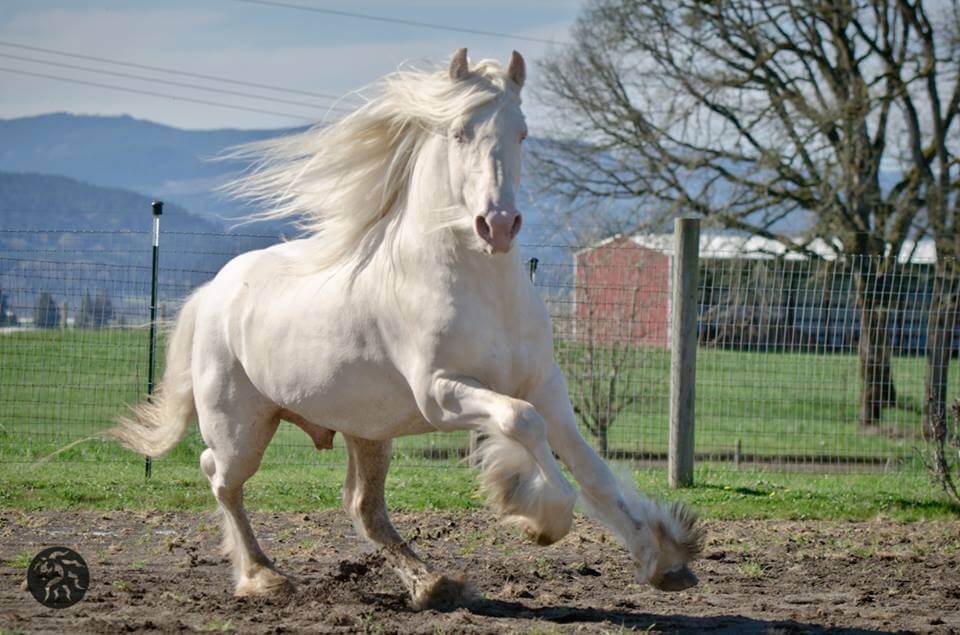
(363, 400)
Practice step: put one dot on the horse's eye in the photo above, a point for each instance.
(523, 135)
(460, 135)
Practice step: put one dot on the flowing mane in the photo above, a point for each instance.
(344, 182)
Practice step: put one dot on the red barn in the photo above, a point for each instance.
(623, 284)
(623, 293)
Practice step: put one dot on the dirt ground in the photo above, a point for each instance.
(162, 572)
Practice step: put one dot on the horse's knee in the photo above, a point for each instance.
(369, 516)
(224, 491)
(207, 463)
(524, 424)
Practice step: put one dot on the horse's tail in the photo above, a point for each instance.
(158, 424)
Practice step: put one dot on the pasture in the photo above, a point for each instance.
(60, 386)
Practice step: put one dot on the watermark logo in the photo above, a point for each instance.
(58, 577)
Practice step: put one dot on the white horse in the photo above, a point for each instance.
(405, 310)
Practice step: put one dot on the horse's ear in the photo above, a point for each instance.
(458, 65)
(517, 71)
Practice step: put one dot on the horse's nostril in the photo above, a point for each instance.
(483, 228)
(515, 228)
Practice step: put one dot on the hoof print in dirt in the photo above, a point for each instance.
(584, 569)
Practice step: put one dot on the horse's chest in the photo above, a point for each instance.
(506, 358)
(514, 371)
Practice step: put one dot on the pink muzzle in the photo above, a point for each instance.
(498, 228)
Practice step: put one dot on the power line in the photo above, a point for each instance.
(378, 18)
(173, 83)
(172, 71)
(156, 94)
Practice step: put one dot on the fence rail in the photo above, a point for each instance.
(800, 364)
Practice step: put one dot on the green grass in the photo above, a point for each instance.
(21, 561)
(719, 492)
(60, 386)
(774, 404)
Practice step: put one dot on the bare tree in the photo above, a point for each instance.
(604, 389)
(601, 359)
(936, 456)
(756, 113)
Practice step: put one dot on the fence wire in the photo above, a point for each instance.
(802, 364)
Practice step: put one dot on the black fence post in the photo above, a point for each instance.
(157, 208)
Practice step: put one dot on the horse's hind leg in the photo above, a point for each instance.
(237, 439)
(364, 500)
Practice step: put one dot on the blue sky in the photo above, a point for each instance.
(264, 44)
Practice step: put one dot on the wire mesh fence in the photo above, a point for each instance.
(802, 363)
(825, 364)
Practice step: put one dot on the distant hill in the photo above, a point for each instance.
(43, 201)
(129, 153)
(67, 237)
(172, 164)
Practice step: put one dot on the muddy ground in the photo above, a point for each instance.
(162, 572)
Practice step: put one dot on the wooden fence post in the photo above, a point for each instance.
(683, 350)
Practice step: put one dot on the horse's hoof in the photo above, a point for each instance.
(444, 592)
(265, 582)
(678, 580)
(541, 538)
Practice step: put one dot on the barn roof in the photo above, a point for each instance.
(717, 245)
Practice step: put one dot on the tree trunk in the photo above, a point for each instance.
(602, 431)
(941, 326)
(876, 380)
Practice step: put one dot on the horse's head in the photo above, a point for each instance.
(484, 155)
(440, 150)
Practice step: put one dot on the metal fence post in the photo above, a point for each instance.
(683, 353)
(157, 208)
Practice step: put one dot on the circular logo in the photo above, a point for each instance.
(58, 577)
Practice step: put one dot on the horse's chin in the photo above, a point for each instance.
(490, 251)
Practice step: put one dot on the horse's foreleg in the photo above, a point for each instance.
(364, 500)
(532, 493)
(647, 528)
(598, 484)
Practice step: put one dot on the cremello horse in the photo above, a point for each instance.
(405, 310)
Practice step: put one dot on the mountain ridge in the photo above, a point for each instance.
(129, 153)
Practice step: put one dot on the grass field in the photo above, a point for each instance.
(718, 492)
(59, 386)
